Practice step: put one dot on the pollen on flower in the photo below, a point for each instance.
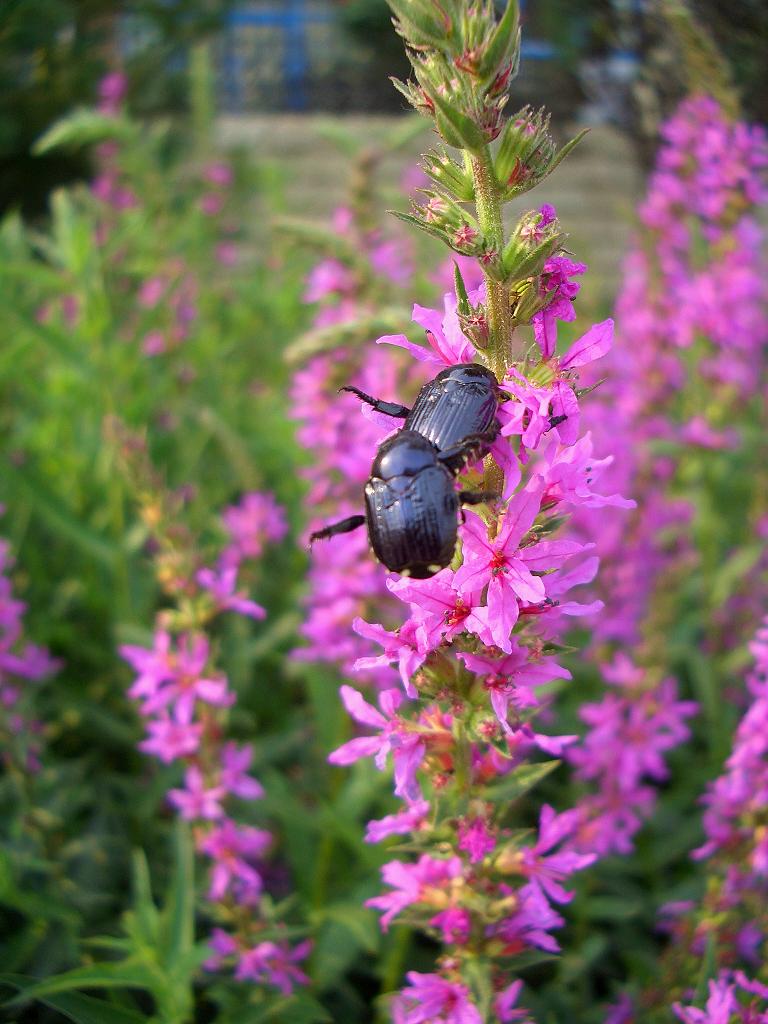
(465, 236)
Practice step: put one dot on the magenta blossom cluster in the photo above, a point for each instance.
(731, 919)
(621, 758)
(733, 999)
(477, 654)
(183, 699)
(735, 820)
(21, 663)
(341, 290)
(164, 305)
(735, 905)
(693, 323)
(344, 583)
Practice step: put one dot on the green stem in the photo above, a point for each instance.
(396, 960)
(462, 766)
(488, 202)
(489, 215)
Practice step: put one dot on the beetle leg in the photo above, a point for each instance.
(477, 497)
(343, 526)
(469, 449)
(398, 412)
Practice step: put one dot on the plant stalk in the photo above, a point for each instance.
(489, 216)
(489, 207)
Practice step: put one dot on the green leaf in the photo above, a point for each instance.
(613, 908)
(126, 974)
(462, 298)
(81, 1009)
(62, 520)
(30, 902)
(478, 973)
(179, 910)
(708, 970)
(455, 181)
(316, 235)
(232, 446)
(354, 332)
(83, 127)
(334, 130)
(361, 922)
(733, 572)
(563, 153)
(506, 31)
(143, 921)
(72, 237)
(518, 782)
(435, 230)
(416, 24)
(57, 341)
(470, 135)
(298, 1009)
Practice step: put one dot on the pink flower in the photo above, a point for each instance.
(223, 945)
(504, 1005)
(530, 925)
(447, 343)
(112, 90)
(721, 1005)
(231, 847)
(154, 343)
(407, 748)
(475, 839)
(390, 259)
(400, 646)
(409, 820)
(197, 801)
(151, 292)
(327, 278)
(568, 475)
(545, 869)
(498, 564)
(218, 173)
(622, 1012)
(254, 520)
(430, 999)
(439, 611)
(509, 679)
(455, 924)
(169, 740)
(227, 254)
(274, 964)
(530, 415)
(211, 204)
(175, 679)
(235, 762)
(412, 884)
(221, 587)
(590, 346)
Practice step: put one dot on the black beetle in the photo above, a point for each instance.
(460, 402)
(411, 503)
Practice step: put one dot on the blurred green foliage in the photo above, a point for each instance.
(52, 55)
(85, 920)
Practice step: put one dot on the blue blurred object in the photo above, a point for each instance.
(280, 33)
(292, 18)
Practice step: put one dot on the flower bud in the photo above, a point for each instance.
(536, 237)
(527, 152)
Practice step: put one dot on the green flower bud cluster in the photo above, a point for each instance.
(463, 59)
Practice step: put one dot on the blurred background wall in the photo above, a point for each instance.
(606, 59)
